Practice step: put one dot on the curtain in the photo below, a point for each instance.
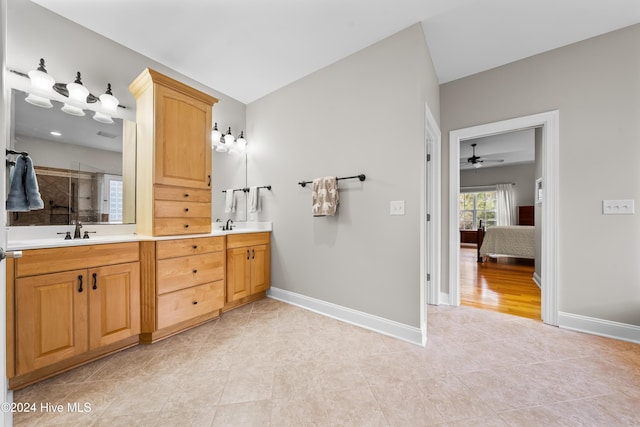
(505, 205)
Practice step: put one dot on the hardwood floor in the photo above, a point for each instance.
(503, 287)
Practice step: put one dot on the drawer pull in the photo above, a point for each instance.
(208, 180)
(247, 253)
(253, 254)
(80, 281)
(95, 280)
(195, 302)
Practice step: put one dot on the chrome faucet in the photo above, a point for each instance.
(76, 233)
(228, 226)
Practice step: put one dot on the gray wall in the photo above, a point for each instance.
(363, 114)
(595, 84)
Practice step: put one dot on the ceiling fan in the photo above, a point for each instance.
(478, 161)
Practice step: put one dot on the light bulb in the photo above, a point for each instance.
(77, 97)
(41, 84)
(242, 143)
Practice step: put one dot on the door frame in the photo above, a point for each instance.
(549, 122)
(430, 219)
(7, 395)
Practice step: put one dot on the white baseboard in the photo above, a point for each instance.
(605, 328)
(358, 318)
(444, 298)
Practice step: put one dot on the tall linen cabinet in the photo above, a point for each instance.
(173, 188)
(182, 280)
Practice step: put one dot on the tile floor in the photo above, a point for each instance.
(274, 364)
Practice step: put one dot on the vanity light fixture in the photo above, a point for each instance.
(227, 143)
(109, 105)
(217, 142)
(241, 142)
(77, 97)
(41, 87)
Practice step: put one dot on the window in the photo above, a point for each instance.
(115, 201)
(475, 207)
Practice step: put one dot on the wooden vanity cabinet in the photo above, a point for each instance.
(183, 284)
(72, 305)
(173, 156)
(248, 267)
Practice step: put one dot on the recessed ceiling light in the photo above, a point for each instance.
(54, 133)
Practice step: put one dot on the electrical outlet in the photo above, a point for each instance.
(618, 207)
(396, 207)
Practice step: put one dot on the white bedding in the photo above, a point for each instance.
(516, 241)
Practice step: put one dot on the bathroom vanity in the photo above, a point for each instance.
(71, 302)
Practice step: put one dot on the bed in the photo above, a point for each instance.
(514, 241)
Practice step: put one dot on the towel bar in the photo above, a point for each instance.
(361, 177)
(246, 189)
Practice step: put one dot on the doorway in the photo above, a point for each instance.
(497, 176)
(549, 124)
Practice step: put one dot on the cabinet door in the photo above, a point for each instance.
(260, 268)
(114, 298)
(238, 273)
(51, 318)
(183, 140)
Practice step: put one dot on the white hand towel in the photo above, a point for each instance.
(230, 201)
(254, 200)
(325, 196)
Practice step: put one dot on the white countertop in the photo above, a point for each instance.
(22, 238)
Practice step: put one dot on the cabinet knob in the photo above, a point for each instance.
(195, 302)
(186, 226)
(195, 247)
(186, 194)
(186, 209)
(195, 270)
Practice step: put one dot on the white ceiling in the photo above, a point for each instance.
(513, 148)
(249, 48)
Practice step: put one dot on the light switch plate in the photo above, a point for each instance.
(396, 207)
(618, 207)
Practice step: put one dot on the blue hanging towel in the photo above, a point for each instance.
(24, 194)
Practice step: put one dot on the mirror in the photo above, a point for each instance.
(82, 172)
(229, 172)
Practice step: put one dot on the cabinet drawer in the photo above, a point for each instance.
(41, 261)
(248, 239)
(179, 273)
(171, 208)
(184, 194)
(186, 304)
(177, 226)
(183, 247)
